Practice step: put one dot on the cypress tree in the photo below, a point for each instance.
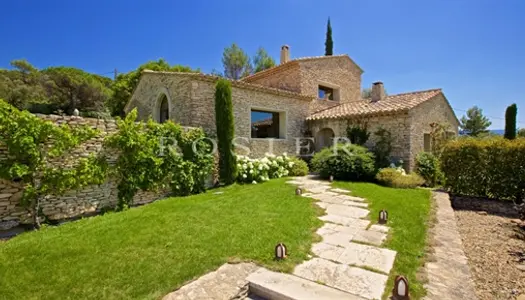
(225, 131)
(510, 122)
(329, 44)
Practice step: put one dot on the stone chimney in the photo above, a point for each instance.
(285, 54)
(378, 91)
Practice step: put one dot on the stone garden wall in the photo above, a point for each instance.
(75, 203)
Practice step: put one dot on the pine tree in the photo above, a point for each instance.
(225, 131)
(329, 44)
(510, 122)
(475, 123)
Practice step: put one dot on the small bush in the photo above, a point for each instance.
(349, 162)
(427, 165)
(299, 167)
(253, 170)
(398, 179)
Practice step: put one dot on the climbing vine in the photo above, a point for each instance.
(159, 156)
(31, 144)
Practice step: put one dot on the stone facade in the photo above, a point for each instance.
(198, 109)
(74, 203)
(398, 125)
(436, 110)
(293, 89)
(304, 76)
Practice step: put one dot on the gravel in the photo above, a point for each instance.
(496, 254)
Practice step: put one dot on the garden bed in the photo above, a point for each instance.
(491, 244)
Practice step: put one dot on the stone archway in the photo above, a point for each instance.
(324, 138)
(162, 107)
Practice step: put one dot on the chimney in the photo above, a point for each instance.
(285, 54)
(378, 91)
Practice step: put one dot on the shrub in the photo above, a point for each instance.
(299, 167)
(357, 134)
(225, 131)
(427, 165)
(253, 170)
(383, 147)
(396, 178)
(349, 162)
(492, 168)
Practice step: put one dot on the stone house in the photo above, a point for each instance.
(316, 97)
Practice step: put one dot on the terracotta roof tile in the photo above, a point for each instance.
(391, 104)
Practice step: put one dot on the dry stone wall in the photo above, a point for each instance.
(74, 203)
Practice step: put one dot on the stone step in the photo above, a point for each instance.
(353, 280)
(359, 255)
(280, 286)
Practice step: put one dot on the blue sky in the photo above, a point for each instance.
(473, 49)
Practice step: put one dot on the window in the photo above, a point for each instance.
(426, 142)
(164, 112)
(326, 93)
(268, 124)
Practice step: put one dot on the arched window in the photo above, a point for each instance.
(164, 111)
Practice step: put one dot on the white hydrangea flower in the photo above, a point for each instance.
(290, 164)
(251, 171)
(244, 166)
(254, 182)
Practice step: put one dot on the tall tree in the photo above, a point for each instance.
(262, 60)
(510, 122)
(124, 85)
(474, 122)
(329, 43)
(236, 62)
(225, 131)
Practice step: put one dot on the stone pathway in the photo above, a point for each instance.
(449, 275)
(348, 257)
(348, 264)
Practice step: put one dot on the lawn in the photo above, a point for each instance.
(147, 252)
(408, 218)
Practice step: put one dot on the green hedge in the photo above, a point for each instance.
(492, 168)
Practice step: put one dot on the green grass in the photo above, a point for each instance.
(408, 218)
(147, 252)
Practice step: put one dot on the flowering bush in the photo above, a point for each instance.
(252, 170)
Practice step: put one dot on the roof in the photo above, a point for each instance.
(235, 83)
(291, 63)
(390, 105)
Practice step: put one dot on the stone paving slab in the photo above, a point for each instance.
(338, 190)
(221, 284)
(351, 222)
(351, 198)
(346, 211)
(379, 228)
(354, 203)
(335, 238)
(370, 237)
(274, 285)
(358, 255)
(357, 281)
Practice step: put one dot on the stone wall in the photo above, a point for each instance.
(286, 78)
(436, 110)
(192, 103)
(398, 125)
(76, 202)
(334, 72)
(295, 110)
